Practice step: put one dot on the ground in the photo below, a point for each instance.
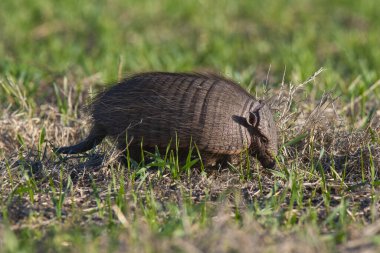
(316, 63)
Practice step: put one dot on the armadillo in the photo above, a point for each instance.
(153, 109)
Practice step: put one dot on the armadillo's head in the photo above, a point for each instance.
(264, 134)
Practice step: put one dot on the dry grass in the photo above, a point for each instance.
(322, 196)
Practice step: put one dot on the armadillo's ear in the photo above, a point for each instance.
(253, 118)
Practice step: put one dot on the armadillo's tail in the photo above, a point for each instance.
(93, 139)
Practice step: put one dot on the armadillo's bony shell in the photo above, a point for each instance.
(155, 107)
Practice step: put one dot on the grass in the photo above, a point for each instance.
(321, 197)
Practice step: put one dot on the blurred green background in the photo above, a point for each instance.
(43, 40)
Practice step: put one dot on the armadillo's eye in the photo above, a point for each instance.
(265, 140)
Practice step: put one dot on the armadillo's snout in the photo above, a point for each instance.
(267, 163)
(267, 159)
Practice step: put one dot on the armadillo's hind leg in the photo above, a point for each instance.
(95, 137)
